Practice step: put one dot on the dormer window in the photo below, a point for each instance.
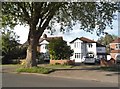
(90, 45)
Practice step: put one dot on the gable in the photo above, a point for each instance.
(44, 42)
(78, 40)
(83, 39)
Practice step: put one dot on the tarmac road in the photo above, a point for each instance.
(32, 80)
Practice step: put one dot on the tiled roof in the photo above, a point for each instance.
(116, 40)
(84, 40)
(41, 39)
(87, 40)
(50, 38)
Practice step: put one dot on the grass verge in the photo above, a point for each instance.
(112, 68)
(58, 66)
(41, 70)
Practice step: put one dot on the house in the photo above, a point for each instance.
(84, 47)
(43, 46)
(115, 49)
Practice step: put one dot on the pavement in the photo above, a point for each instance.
(79, 73)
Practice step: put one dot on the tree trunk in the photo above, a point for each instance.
(31, 50)
(31, 54)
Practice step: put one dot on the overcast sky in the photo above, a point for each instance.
(68, 36)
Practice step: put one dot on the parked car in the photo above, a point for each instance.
(89, 60)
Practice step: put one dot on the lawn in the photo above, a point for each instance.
(57, 66)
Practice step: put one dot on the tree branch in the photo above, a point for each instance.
(26, 14)
(48, 18)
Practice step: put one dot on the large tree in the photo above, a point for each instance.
(41, 15)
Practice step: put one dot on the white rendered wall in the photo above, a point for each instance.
(43, 47)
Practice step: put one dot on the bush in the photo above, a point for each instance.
(41, 70)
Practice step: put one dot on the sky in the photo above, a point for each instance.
(68, 36)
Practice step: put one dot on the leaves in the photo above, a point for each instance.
(91, 15)
(10, 44)
(59, 50)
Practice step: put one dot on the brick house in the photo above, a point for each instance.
(115, 49)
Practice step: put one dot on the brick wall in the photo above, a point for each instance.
(62, 61)
(105, 63)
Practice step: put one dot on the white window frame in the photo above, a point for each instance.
(78, 55)
(117, 46)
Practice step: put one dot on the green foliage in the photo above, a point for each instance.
(41, 70)
(88, 14)
(10, 46)
(115, 68)
(106, 40)
(59, 49)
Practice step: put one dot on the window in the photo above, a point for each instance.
(46, 47)
(77, 55)
(77, 44)
(117, 46)
(90, 45)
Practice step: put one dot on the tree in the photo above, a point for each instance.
(106, 40)
(42, 15)
(59, 49)
(10, 45)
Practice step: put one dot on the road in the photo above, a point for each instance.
(31, 80)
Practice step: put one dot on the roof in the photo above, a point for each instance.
(86, 40)
(100, 45)
(41, 39)
(50, 38)
(116, 40)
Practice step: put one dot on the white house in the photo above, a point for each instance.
(43, 46)
(84, 47)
